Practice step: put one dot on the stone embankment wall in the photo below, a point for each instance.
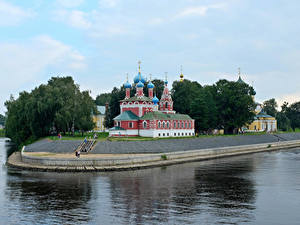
(144, 161)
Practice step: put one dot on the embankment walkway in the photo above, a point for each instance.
(67, 162)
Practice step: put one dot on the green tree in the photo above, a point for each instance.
(270, 107)
(293, 113)
(2, 120)
(283, 121)
(58, 104)
(183, 93)
(204, 110)
(234, 103)
(102, 99)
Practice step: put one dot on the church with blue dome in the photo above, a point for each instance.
(147, 116)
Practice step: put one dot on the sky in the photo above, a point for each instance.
(98, 41)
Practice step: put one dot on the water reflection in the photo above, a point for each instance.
(62, 198)
(244, 189)
(184, 190)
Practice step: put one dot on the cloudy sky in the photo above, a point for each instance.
(99, 41)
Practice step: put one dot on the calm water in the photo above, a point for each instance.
(261, 188)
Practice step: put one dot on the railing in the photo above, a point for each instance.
(86, 146)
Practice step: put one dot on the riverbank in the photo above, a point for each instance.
(56, 162)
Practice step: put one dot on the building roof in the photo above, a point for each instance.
(117, 128)
(262, 113)
(135, 98)
(240, 80)
(127, 115)
(156, 115)
(101, 109)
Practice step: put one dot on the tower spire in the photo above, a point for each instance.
(181, 74)
(139, 62)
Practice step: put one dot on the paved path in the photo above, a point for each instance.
(159, 146)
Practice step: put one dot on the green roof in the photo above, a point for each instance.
(263, 114)
(135, 98)
(240, 80)
(163, 116)
(117, 128)
(127, 115)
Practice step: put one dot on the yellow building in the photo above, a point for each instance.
(262, 121)
(98, 119)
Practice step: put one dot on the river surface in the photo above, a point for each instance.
(261, 188)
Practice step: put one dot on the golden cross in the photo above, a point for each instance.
(139, 62)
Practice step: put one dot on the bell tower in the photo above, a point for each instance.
(166, 102)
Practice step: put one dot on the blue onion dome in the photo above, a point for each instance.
(127, 85)
(150, 85)
(138, 78)
(140, 84)
(155, 100)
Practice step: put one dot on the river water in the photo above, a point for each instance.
(261, 188)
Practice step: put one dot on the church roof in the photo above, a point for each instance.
(135, 98)
(101, 109)
(262, 113)
(156, 115)
(240, 80)
(117, 128)
(127, 115)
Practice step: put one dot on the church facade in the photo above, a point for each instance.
(147, 116)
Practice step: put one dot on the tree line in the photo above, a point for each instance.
(224, 105)
(2, 120)
(56, 107)
(288, 118)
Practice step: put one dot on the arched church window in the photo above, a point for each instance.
(166, 105)
(168, 124)
(145, 124)
(164, 124)
(178, 124)
(174, 124)
(159, 124)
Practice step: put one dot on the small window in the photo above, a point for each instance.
(174, 134)
(185, 134)
(164, 124)
(159, 134)
(182, 134)
(178, 125)
(130, 125)
(168, 124)
(190, 134)
(167, 134)
(182, 125)
(178, 134)
(119, 124)
(159, 124)
(174, 124)
(163, 134)
(144, 124)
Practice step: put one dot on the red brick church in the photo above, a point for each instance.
(149, 116)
